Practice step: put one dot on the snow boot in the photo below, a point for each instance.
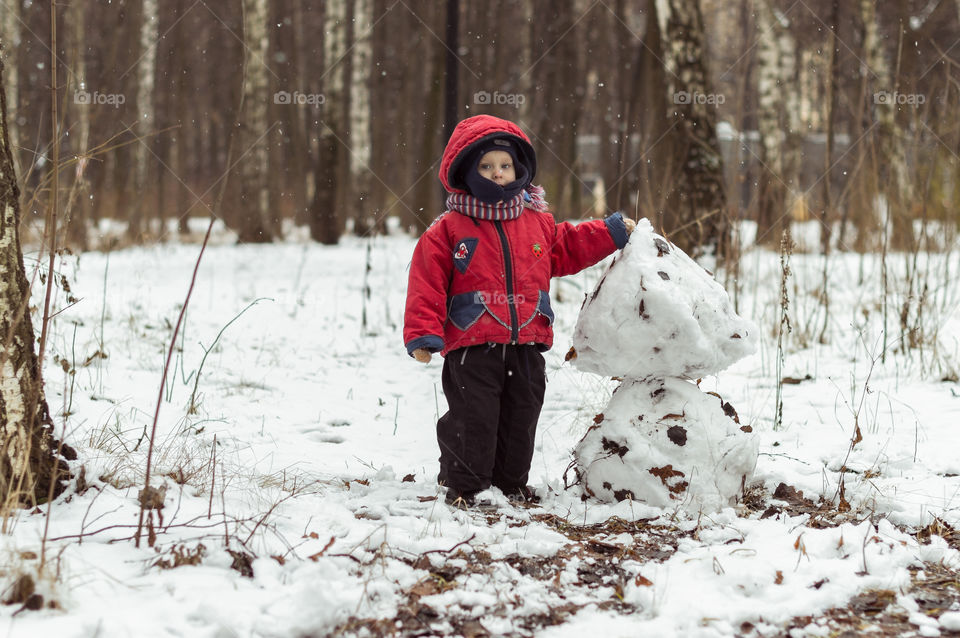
(523, 495)
(466, 500)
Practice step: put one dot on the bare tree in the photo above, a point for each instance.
(329, 174)
(558, 116)
(361, 178)
(254, 223)
(143, 157)
(178, 145)
(895, 185)
(9, 46)
(30, 468)
(700, 222)
(78, 204)
(777, 107)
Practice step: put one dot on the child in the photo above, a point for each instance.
(479, 295)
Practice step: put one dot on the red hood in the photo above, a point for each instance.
(476, 129)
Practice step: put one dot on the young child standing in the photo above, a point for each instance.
(479, 294)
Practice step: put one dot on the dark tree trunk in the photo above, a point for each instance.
(257, 222)
(700, 224)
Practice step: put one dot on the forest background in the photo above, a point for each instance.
(694, 113)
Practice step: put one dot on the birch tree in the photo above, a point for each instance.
(9, 45)
(145, 113)
(78, 205)
(891, 167)
(777, 108)
(29, 463)
(254, 223)
(360, 116)
(700, 219)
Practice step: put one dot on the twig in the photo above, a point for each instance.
(190, 524)
(51, 225)
(447, 551)
(213, 476)
(163, 378)
(65, 308)
(267, 514)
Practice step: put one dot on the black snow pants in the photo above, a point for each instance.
(494, 393)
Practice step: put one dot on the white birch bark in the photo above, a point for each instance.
(769, 87)
(360, 120)
(146, 72)
(361, 114)
(777, 123)
(9, 46)
(27, 460)
(80, 71)
(255, 223)
(144, 111)
(883, 98)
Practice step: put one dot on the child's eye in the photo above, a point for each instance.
(485, 167)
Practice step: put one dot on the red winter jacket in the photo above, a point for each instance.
(474, 281)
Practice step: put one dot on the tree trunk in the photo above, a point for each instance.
(9, 45)
(364, 215)
(144, 129)
(254, 223)
(833, 77)
(325, 219)
(29, 464)
(427, 202)
(554, 135)
(289, 150)
(179, 153)
(78, 204)
(776, 110)
(891, 147)
(700, 224)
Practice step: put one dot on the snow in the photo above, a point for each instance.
(656, 313)
(308, 422)
(657, 318)
(663, 442)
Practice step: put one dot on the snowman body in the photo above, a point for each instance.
(658, 321)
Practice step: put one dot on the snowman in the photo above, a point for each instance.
(659, 321)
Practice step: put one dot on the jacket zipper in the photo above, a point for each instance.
(514, 317)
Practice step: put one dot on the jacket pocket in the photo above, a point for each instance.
(465, 310)
(543, 306)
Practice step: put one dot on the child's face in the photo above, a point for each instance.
(497, 166)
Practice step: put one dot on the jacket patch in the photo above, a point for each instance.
(537, 250)
(463, 253)
(543, 306)
(465, 309)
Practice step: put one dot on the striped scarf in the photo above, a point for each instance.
(470, 206)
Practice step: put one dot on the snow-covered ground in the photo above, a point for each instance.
(307, 455)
